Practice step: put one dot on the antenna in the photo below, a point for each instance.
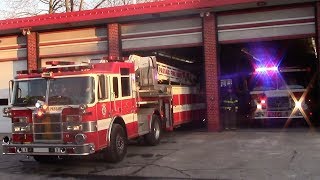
(248, 53)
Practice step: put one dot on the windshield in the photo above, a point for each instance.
(263, 84)
(283, 80)
(297, 80)
(71, 91)
(62, 91)
(27, 93)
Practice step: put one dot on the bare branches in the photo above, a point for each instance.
(99, 4)
(23, 8)
(80, 5)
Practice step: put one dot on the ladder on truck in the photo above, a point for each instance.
(175, 75)
(161, 72)
(154, 78)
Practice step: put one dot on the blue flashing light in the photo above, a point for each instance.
(267, 69)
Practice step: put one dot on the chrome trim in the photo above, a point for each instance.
(83, 139)
(87, 127)
(84, 149)
(30, 131)
(55, 120)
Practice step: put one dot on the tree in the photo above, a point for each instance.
(23, 8)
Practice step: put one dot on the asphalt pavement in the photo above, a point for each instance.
(193, 154)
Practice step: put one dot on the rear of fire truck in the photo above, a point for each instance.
(174, 91)
(281, 95)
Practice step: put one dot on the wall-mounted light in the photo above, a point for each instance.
(203, 14)
(261, 3)
(25, 31)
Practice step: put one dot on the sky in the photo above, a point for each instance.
(7, 12)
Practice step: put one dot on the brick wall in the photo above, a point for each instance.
(32, 50)
(318, 30)
(114, 40)
(211, 72)
(317, 39)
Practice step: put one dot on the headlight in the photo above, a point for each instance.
(26, 128)
(298, 104)
(74, 128)
(38, 105)
(40, 113)
(259, 106)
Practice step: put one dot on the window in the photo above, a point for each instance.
(115, 87)
(4, 102)
(107, 87)
(124, 71)
(125, 86)
(28, 92)
(125, 82)
(101, 88)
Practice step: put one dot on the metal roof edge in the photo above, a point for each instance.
(114, 12)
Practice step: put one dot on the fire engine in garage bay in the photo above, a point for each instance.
(282, 93)
(80, 109)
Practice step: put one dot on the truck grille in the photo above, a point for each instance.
(48, 128)
(278, 103)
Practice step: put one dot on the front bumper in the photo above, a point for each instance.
(48, 149)
(264, 114)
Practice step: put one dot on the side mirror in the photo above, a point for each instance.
(113, 95)
(7, 112)
(11, 82)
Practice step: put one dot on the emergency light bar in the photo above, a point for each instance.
(55, 63)
(47, 71)
(114, 58)
(33, 71)
(265, 69)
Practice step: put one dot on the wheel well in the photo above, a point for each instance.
(120, 121)
(157, 112)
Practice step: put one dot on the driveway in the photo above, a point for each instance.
(241, 154)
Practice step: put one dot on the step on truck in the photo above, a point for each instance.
(67, 109)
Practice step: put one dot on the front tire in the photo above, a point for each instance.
(117, 149)
(154, 136)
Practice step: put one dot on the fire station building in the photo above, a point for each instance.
(210, 38)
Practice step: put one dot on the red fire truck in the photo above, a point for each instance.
(80, 109)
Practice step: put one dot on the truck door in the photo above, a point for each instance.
(115, 99)
(123, 102)
(103, 109)
(128, 101)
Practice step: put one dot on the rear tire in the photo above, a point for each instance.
(117, 149)
(154, 136)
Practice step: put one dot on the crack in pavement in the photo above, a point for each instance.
(293, 155)
(152, 163)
